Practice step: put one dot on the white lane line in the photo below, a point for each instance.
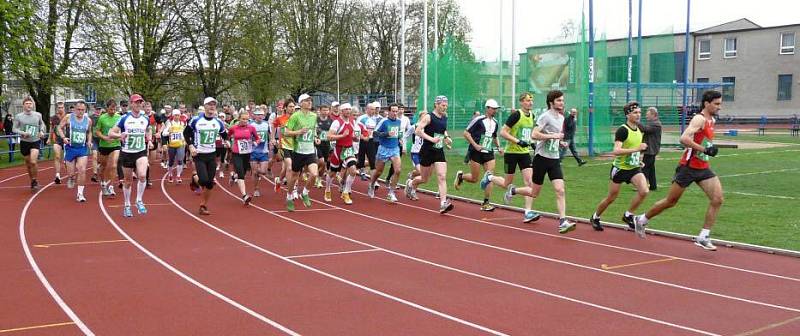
(24, 240)
(321, 272)
(23, 174)
(480, 276)
(760, 195)
(668, 284)
(330, 254)
(304, 210)
(188, 278)
(761, 172)
(601, 244)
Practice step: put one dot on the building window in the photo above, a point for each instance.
(704, 49)
(618, 69)
(787, 43)
(730, 48)
(728, 90)
(785, 87)
(667, 67)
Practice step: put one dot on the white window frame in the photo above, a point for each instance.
(787, 50)
(703, 55)
(729, 53)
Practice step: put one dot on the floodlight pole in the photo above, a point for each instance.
(630, 52)
(591, 78)
(686, 68)
(338, 96)
(513, 53)
(403, 53)
(500, 58)
(425, 55)
(639, 58)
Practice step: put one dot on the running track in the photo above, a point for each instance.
(366, 269)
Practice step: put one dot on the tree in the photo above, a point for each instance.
(15, 21)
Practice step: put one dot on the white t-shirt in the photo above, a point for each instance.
(135, 129)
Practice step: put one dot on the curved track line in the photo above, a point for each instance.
(188, 278)
(480, 276)
(321, 272)
(602, 244)
(504, 249)
(24, 240)
(23, 174)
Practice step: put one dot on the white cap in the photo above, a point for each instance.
(492, 103)
(258, 111)
(376, 105)
(201, 109)
(345, 106)
(221, 115)
(297, 107)
(334, 104)
(303, 97)
(176, 112)
(162, 111)
(209, 100)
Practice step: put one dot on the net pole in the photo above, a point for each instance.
(437, 57)
(402, 53)
(500, 53)
(591, 78)
(686, 68)
(639, 57)
(513, 53)
(630, 52)
(425, 56)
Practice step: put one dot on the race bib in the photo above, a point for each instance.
(394, 132)
(440, 144)
(551, 146)
(175, 136)
(702, 156)
(262, 135)
(32, 130)
(348, 152)
(525, 134)
(208, 137)
(323, 136)
(135, 142)
(77, 138)
(635, 159)
(305, 143)
(487, 144)
(357, 134)
(244, 146)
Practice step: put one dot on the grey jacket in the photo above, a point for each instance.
(652, 137)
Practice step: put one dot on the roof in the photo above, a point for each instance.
(741, 24)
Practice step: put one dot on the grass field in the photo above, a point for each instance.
(17, 156)
(760, 185)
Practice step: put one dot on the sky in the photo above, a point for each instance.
(539, 21)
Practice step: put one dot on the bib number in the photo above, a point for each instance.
(32, 130)
(551, 145)
(135, 142)
(525, 134)
(262, 135)
(305, 143)
(323, 136)
(244, 146)
(77, 138)
(635, 159)
(440, 144)
(394, 132)
(487, 144)
(702, 156)
(357, 135)
(348, 152)
(208, 137)
(175, 136)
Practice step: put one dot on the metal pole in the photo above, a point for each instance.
(630, 52)
(436, 46)
(639, 57)
(513, 53)
(591, 78)
(425, 56)
(338, 96)
(403, 53)
(500, 58)
(686, 69)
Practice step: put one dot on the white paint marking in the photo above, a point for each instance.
(330, 254)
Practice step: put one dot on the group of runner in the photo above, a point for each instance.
(333, 145)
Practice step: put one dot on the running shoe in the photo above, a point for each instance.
(277, 183)
(705, 244)
(628, 220)
(327, 196)
(232, 180)
(446, 207)
(246, 199)
(178, 180)
(290, 205)
(70, 183)
(149, 184)
(57, 180)
(638, 226)
(140, 208)
(306, 200)
(371, 190)
(459, 180)
(408, 189)
(256, 193)
(194, 186)
(531, 216)
(104, 190)
(414, 195)
(34, 185)
(126, 211)
(346, 198)
(487, 207)
(81, 199)
(222, 174)
(364, 177)
(94, 178)
(507, 196)
(169, 180)
(485, 180)
(111, 192)
(318, 184)
(391, 197)
(204, 210)
(596, 223)
(565, 226)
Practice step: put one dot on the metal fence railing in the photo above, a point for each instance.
(9, 146)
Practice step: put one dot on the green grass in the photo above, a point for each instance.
(17, 156)
(759, 208)
(782, 138)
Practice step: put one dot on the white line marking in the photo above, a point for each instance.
(481, 276)
(578, 265)
(23, 174)
(305, 210)
(188, 278)
(762, 172)
(320, 272)
(760, 195)
(330, 253)
(24, 240)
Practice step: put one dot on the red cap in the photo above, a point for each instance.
(135, 97)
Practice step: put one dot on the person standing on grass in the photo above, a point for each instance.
(432, 128)
(76, 132)
(201, 134)
(56, 140)
(387, 133)
(302, 125)
(517, 131)
(244, 137)
(548, 131)
(694, 167)
(626, 167)
(8, 131)
(652, 136)
(481, 134)
(569, 137)
(133, 130)
(31, 129)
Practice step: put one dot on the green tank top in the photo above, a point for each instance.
(521, 130)
(632, 160)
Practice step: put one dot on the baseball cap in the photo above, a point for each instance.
(176, 112)
(492, 103)
(135, 97)
(376, 105)
(258, 111)
(221, 115)
(297, 107)
(345, 106)
(209, 100)
(440, 99)
(303, 97)
(334, 104)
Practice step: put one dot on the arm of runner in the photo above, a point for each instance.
(89, 134)
(467, 135)
(60, 130)
(43, 133)
(424, 120)
(687, 138)
(619, 138)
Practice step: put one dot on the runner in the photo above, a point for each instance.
(323, 145)
(243, 136)
(388, 134)
(31, 129)
(176, 147)
(166, 116)
(97, 112)
(432, 128)
(335, 117)
(259, 159)
(481, 133)
(109, 148)
(221, 147)
(152, 129)
(694, 167)
(201, 134)
(628, 147)
(517, 131)
(133, 130)
(78, 140)
(302, 126)
(56, 140)
(285, 144)
(275, 137)
(406, 131)
(368, 148)
(547, 161)
(344, 133)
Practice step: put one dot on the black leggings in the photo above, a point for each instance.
(206, 166)
(241, 164)
(367, 150)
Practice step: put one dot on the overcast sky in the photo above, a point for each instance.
(539, 21)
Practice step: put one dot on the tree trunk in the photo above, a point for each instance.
(42, 100)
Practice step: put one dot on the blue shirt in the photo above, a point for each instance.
(390, 128)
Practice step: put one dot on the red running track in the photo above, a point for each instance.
(365, 269)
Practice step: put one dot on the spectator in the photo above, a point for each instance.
(569, 136)
(762, 124)
(8, 125)
(795, 125)
(652, 134)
